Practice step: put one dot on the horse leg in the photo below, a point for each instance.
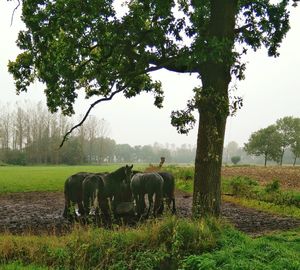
(136, 202)
(142, 204)
(150, 200)
(160, 209)
(66, 213)
(158, 204)
(174, 207)
(104, 206)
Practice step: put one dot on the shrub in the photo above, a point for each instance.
(235, 159)
(241, 186)
(272, 187)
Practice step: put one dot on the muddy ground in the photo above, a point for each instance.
(41, 212)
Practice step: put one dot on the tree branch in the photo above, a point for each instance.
(12, 15)
(88, 112)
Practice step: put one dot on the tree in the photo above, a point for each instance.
(295, 145)
(75, 45)
(266, 142)
(235, 159)
(286, 128)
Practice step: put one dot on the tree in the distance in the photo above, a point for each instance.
(235, 159)
(266, 142)
(295, 145)
(80, 45)
(286, 128)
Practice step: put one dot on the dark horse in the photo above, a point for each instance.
(168, 191)
(103, 186)
(91, 187)
(147, 183)
(73, 193)
(112, 184)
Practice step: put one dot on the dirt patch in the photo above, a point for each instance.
(288, 177)
(41, 212)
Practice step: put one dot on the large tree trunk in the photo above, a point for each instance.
(207, 182)
(213, 105)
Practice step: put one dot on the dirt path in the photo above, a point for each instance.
(41, 212)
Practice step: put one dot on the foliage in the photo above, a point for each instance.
(273, 141)
(241, 186)
(267, 142)
(273, 186)
(157, 244)
(235, 159)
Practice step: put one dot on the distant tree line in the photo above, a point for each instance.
(29, 134)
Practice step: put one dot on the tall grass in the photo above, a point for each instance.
(158, 244)
(166, 244)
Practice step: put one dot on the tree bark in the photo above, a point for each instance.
(207, 182)
(213, 107)
(266, 158)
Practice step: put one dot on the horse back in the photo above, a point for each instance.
(73, 186)
(169, 183)
(146, 183)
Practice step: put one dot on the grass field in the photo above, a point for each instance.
(42, 178)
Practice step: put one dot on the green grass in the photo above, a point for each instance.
(166, 244)
(279, 202)
(158, 244)
(41, 178)
(285, 210)
(239, 252)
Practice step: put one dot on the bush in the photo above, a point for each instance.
(235, 159)
(272, 187)
(242, 186)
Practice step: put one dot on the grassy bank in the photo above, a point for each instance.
(156, 245)
(167, 244)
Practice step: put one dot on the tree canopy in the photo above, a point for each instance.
(75, 45)
(272, 141)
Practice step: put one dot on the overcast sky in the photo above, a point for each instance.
(270, 91)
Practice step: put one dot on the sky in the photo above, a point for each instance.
(270, 91)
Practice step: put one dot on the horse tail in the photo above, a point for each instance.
(67, 199)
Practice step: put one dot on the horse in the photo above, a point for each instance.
(91, 186)
(122, 203)
(147, 183)
(73, 193)
(168, 191)
(103, 188)
(73, 189)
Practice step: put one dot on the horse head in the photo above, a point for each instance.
(128, 173)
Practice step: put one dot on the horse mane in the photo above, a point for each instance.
(116, 173)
